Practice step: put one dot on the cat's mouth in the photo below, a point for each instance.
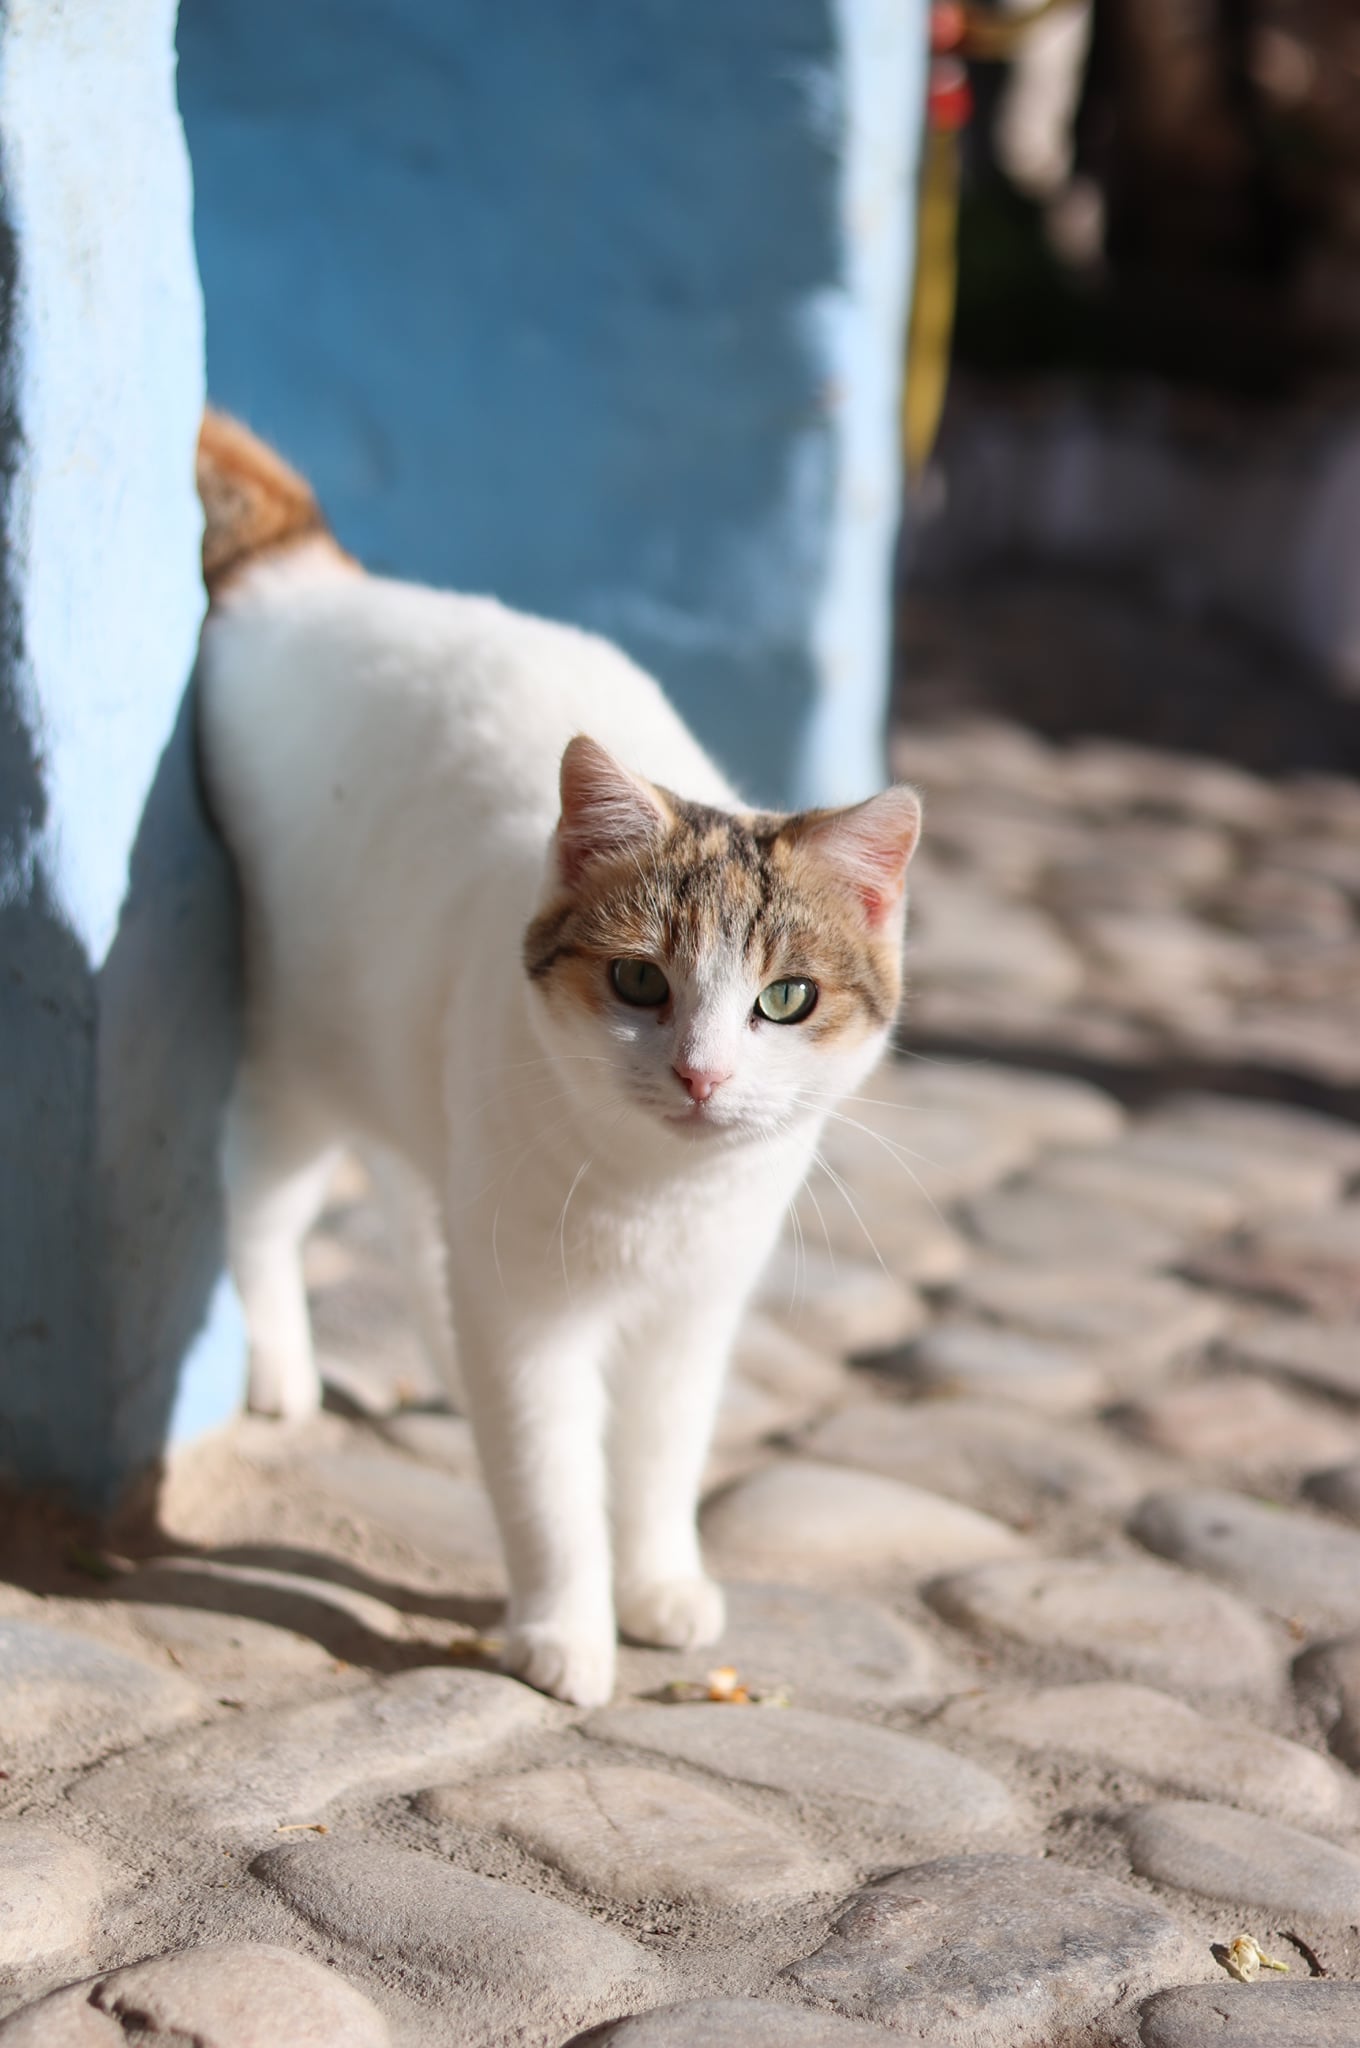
(695, 1116)
(701, 1119)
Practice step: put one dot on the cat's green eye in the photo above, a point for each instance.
(787, 1002)
(639, 982)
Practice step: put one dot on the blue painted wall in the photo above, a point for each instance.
(595, 306)
(117, 931)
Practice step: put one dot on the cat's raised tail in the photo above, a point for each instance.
(253, 503)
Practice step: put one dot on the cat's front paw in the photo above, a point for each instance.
(574, 1667)
(675, 1614)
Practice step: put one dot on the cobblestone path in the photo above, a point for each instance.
(1134, 907)
(1037, 1492)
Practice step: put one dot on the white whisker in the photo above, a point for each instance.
(812, 1197)
(896, 1153)
(495, 1248)
(799, 1255)
(537, 1139)
(880, 1102)
(581, 1173)
(848, 1199)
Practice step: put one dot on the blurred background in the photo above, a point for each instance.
(1128, 653)
(1158, 323)
(607, 315)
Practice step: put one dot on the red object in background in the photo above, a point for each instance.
(949, 96)
(948, 26)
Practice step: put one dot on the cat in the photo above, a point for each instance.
(511, 934)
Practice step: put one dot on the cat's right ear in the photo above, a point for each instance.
(606, 809)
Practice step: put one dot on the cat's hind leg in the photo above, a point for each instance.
(279, 1156)
(416, 1235)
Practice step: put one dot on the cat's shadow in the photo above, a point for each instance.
(288, 1594)
(306, 1592)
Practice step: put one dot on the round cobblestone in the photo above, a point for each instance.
(1267, 1181)
(1003, 1459)
(798, 1516)
(1272, 1129)
(254, 1997)
(49, 1888)
(1293, 1563)
(1337, 1488)
(286, 1765)
(984, 1361)
(1239, 1857)
(65, 1698)
(640, 1836)
(995, 1952)
(1235, 1419)
(1135, 1324)
(1049, 1109)
(1227, 2015)
(1171, 1194)
(1321, 1355)
(928, 1798)
(1139, 1621)
(736, 2023)
(1133, 1729)
(1328, 1676)
(825, 1647)
(516, 1966)
(1031, 1221)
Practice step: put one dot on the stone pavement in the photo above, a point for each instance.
(1044, 1644)
(1122, 904)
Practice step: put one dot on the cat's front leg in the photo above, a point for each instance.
(536, 1403)
(665, 1386)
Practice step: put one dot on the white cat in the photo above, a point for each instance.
(582, 1010)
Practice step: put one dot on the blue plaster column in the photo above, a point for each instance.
(117, 937)
(598, 306)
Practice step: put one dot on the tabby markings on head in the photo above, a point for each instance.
(714, 883)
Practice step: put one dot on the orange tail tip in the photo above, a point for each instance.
(253, 502)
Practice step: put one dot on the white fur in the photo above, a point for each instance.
(384, 761)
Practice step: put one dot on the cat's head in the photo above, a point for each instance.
(718, 974)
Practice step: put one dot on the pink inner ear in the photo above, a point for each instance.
(869, 847)
(605, 808)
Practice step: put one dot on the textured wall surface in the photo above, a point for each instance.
(596, 307)
(117, 943)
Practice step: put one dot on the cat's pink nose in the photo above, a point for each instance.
(699, 1082)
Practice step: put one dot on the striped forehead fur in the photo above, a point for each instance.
(716, 882)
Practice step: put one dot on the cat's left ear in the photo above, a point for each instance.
(866, 848)
(606, 809)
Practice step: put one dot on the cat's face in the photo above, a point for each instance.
(719, 976)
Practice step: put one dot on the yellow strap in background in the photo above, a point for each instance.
(930, 332)
(989, 37)
(994, 38)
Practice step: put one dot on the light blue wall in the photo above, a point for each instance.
(596, 306)
(117, 939)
